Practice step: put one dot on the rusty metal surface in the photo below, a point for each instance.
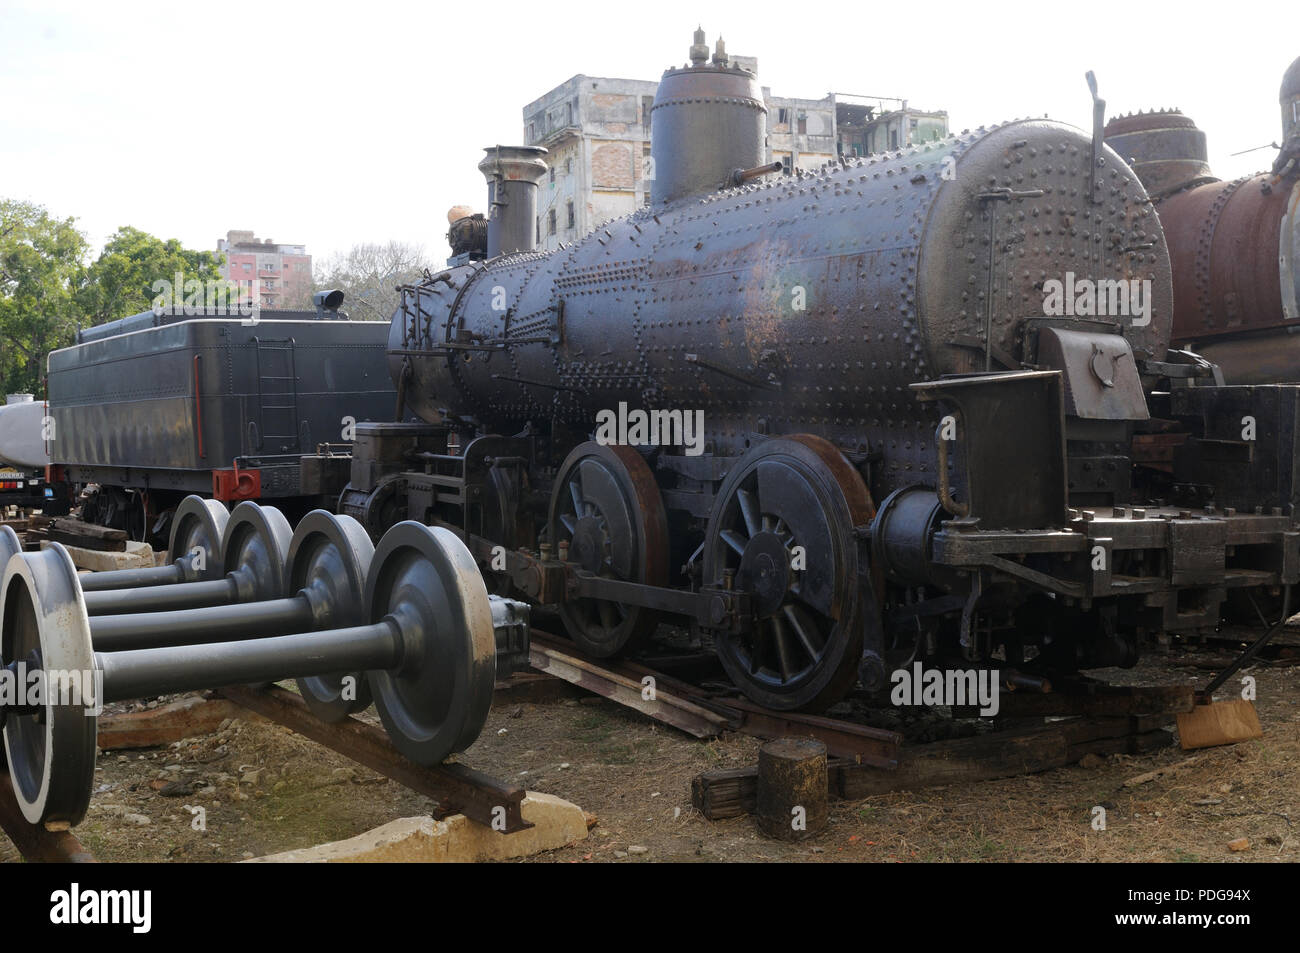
(1258, 359)
(1224, 244)
(35, 843)
(456, 787)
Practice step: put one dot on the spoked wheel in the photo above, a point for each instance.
(783, 524)
(607, 507)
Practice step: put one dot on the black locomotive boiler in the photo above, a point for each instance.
(905, 455)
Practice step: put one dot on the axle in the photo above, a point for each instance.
(236, 587)
(410, 623)
(194, 552)
(144, 630)
(254, 550)
(181, 668)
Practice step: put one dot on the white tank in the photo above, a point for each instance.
(21, 438)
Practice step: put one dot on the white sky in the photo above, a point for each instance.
(332, 123)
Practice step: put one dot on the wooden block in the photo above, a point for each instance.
(186, 718)
(1100, 700)
(980, 758)
(791, 799)
(73, 532)
(1150, 741)
(726, 793)
(534, 689)
(1219, 723)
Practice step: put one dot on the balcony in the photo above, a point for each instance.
(558, 135)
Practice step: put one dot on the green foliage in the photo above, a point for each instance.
(47, 291)
(121, 281)
(41, 276)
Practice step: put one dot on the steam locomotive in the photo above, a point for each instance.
(907, 453)
(941, 417)
(1235, 246)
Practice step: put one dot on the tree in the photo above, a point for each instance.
(42, 273)
(368, 274)
(121, 281)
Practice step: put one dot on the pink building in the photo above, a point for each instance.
(274, 276)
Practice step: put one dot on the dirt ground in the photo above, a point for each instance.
(265, 789)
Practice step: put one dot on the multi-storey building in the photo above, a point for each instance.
(268, 274)
(597, 133)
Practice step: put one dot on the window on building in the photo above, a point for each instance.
(573, 218)
(539, 231)
(550, 222)
(786, 165)
(532, 133)
(893, 138)
(568, 166)
(783, 116)
(552, 172)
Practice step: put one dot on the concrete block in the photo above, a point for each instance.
(457, 839)
(137, 556)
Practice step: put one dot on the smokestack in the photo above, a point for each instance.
(513, 174)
